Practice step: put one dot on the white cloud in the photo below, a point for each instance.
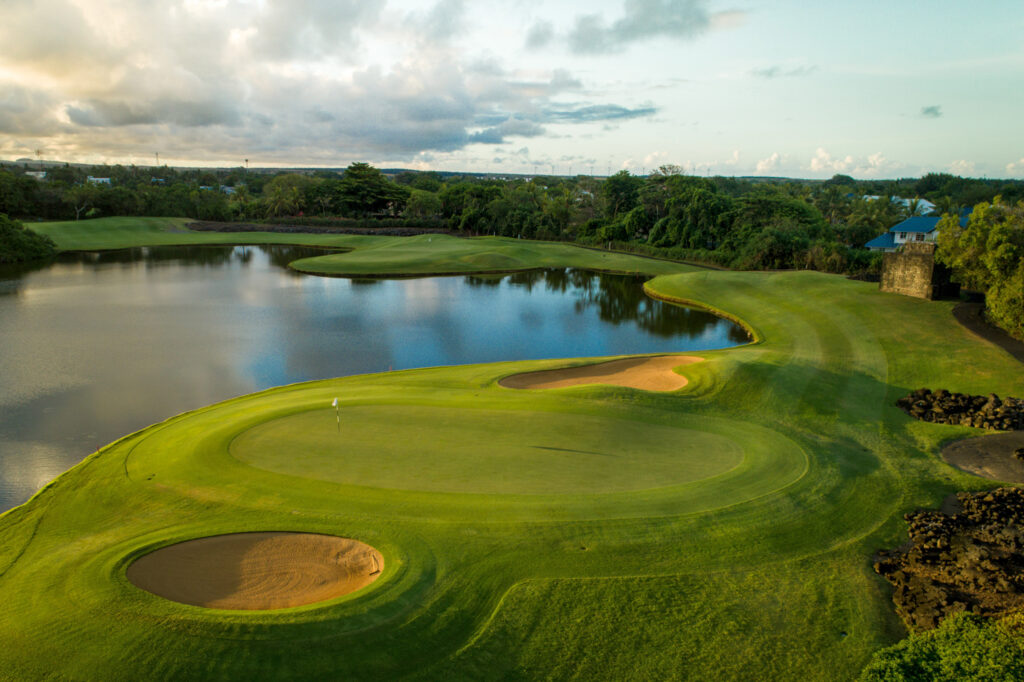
(1015, 167)
(655, 159)
(279, 80)
(873, 166)
(765, 166)
(823, 161)
(962, 167)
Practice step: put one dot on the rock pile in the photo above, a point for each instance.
(960, 409)
(970, 561)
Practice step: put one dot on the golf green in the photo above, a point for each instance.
(436, 449)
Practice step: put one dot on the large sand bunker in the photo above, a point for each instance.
(990, 456)
(253, 571)
(648, 374)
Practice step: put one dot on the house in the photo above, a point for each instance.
(98, 181)
(38, 175)
(921, 206)
(912, 230)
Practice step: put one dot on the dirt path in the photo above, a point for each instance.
(648, 374)
(255, 571)
(971, 316)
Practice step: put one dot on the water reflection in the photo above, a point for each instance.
(97, 345)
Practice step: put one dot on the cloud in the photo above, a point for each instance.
(288, 29)
(642, 19)
(655, 159)
(933, 111)
(275, 80)
(541, 34)
(1015, 167)
(873, 166)
(962, 168)
(443, 21)
(595, 113)
(777, 71)
(766, 166)
(823, 161)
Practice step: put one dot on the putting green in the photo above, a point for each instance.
(439, 449)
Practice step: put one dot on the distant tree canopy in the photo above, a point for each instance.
(988, 256)
(735, 222)
(20, 245)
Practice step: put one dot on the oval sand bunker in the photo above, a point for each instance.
(648, 374)
(257, 571)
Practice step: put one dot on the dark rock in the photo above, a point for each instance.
(943, 407)
(969, 561)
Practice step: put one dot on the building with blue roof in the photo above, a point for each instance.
(915, 229)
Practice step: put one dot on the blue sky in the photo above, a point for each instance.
(871, 89)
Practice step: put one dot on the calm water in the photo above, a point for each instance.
(99, 345)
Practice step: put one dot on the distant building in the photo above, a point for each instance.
(924, 207)
(227, 190)
(38, 175)
(918, 229)
(97, 181)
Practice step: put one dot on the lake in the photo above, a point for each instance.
(97, 345)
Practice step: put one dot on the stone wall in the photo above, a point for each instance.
(913, 271)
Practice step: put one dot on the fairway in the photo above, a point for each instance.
(723, 530)
(408, 447)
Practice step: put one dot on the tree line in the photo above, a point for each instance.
(746, 223)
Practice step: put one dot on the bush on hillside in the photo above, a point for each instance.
(964, 648)
(20, 245)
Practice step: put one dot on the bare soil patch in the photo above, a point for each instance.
(992, 456)
(257, 571)
(648, 374)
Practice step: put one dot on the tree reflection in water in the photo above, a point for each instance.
(620, 299)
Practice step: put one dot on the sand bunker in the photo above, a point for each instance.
(255, 571)
(648, 374)
(988, 456)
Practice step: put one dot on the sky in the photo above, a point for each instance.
(873, 89)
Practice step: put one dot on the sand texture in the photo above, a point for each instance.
(256, 571)
(988, 456)
(648, 374)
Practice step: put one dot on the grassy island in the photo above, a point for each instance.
(722, 530)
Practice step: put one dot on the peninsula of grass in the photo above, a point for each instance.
(371, 256)
(721, 531)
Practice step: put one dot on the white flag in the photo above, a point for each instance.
(335, 403)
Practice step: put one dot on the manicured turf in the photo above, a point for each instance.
(441, 254)
(484, 451)
(513, 564)
(121, 233)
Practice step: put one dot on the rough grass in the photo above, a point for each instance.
(760, 572)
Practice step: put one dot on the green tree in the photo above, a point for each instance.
(423, 205)
(80, 198)
(364, 190)
(964, 648)
(620, 193)
(20, 245)
(987, 255)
